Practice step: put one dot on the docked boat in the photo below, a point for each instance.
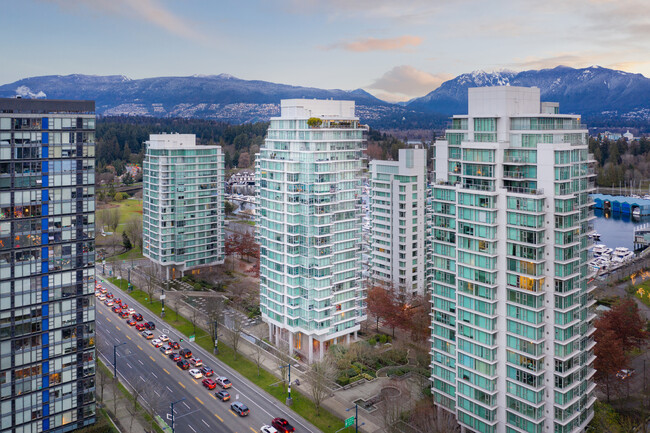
(636, 212)
(595, 236)
(599, 249)
(622, 254)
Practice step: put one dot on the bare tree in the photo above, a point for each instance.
(394, 405)
(283, 358)
(114, 241)
(320, 375)
(101, 381)
(118, 267)
(194, 317)
(426, 417)
(154, 395)
(138, 389)
(175, 302)
(112, 218)
(258, 357)
(151, 279)
(214, 306)
(236, 328)
(133, 229)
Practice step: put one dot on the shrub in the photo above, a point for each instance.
(382, 339)
(343, 380)
(372, 342)
(314, 122)
(367, 376)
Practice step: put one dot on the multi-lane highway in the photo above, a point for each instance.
(161, 382)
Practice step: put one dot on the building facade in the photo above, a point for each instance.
(182, 204)
(309, 225)
(47, 255)
(512, 334)
(398, 222)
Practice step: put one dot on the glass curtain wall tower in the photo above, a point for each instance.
(512, 334)
(397, 233)
(309, 225)
(183, 207)
(47, 255)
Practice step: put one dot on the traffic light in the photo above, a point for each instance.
(181, 340)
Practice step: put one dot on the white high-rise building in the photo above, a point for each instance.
(397, 209)
(512, 333)
(182, 203)
(309, 226)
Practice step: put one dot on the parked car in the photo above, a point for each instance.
(222, 395)
(224, 382)
(207, 371)
(186, 353)
(239, 408)
(209, 383)
(282, 425)
(183, 364)
(196, 373)
(624, 374)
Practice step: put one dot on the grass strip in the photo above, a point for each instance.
(302, 405)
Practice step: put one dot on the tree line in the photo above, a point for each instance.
(620, 162)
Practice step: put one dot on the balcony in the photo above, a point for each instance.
(522, 190)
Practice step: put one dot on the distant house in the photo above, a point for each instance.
(628, 136)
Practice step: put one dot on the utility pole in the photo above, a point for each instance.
(172, 405)
(115, 346)
(216, 338)
(356, 417)
(289, 401)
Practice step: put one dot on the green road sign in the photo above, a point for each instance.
(192, 338)
(349, 422)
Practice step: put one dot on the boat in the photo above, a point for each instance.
(622, 254)
(599, 249)
(595, 236)
(636, 212)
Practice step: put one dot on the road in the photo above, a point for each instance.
(144, 367)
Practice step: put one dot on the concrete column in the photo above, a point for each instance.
(355, 336)
(321, 345)
(277, 335)
(347, 339)
(271, 333)
(310, 350)
(290, 343)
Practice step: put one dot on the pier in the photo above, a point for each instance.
(621, 204)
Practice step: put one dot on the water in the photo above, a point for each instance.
(616, 230)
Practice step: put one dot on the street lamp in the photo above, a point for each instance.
(162, 300)
(289, 399)
(115, 346)
(172, 405)
(356, 417)
(216, 338)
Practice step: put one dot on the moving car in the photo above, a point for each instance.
(175, 345)
(164, 337)
(209, 383)
(109, 302)
(196, 373)
(224, 382)
(222, 395)
(131, 322)
(196, 362)
(624, 374)
(116, 309)
(176, 357)
(239, 408)
(156, 343)
(109, 295)
(186, 353)
(139, 326)
(118, 301)
(104, 290)
(183, 364)
(124, 314)
(137, 317)
(150, 326)
(282, 425)
(102, 297)
(124, 305)
(268, 429)
(166, 349)
(131, 310)
(207, 371)
(147, 334)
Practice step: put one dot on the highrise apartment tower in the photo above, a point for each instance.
(397, 208)
(47, 275)
(309, 227)
(182, 210)
(512, 334)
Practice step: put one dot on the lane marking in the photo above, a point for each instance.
(218, 417)
(109, 319)
(140, 362)
(139, 346)
(233, 413)
(186, 405)
(207, 423)
(191, 428)
(213, 396)
(152, 358)
(181, 384)
(195, 381)
(128, 337)
(129, 365)
(252, 429)
(156, 393)
(107, 331)
(142, 379)
(199, 400)
(170, 390)
(154, 375)
(118, 328)
(166, 371)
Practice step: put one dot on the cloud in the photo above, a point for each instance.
(373, 44)
(565, 59)
(405, 82)
(411, 11)
(148, 10)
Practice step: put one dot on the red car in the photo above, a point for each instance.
(139, 326)
(117, 309)
(131, 322)
(124, 314)
(282, 425)
(137, 317)
(109, 296)
(124, 305)
(118, 301)
(209, 383)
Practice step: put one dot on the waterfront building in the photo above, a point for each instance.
(398, 222)
(47, 255)
(309, 225)
(182, 204)
(512, 334)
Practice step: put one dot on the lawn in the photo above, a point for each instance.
(642, 291)
(128, 209)
(301, 404)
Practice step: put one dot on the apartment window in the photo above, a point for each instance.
(414, 187)
(402, 255)
(415, 236)
(402, 231)
(415, 245)
(402, 206)
(402, 214)
(402, 197)
(402, 188)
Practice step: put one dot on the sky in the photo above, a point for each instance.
(396, 50)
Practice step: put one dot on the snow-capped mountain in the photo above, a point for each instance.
(593, 91)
